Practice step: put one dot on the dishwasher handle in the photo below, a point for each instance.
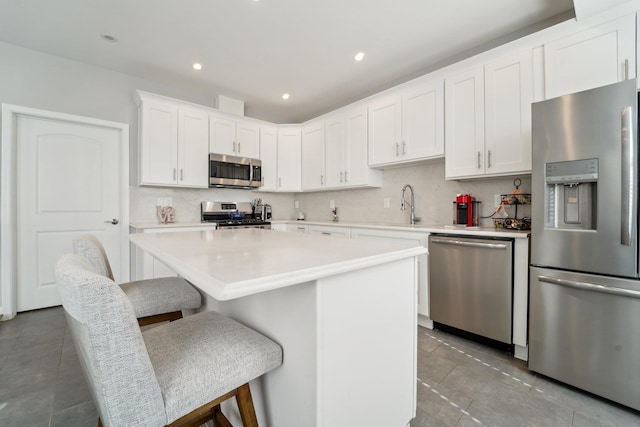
(586, 286)
(469, 243)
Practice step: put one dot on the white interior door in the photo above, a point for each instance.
(68, 184)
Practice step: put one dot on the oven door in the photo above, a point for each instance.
(230, 171)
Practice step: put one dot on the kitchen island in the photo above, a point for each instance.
(343, 311)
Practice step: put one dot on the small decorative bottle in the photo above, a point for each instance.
(335, 214)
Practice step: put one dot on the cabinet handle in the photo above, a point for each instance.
(397, 149)
(626, 69)
(234, 147)
(238, 147)
(321, 179)
(345, 177)
(174, 174)
(478, 160)
(341, 174)
(404, 148)
(279, 182)
(181, 174)
(325, 233)
(489, 159)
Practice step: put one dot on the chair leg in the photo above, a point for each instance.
(219, 420)
(175, 315)
(245, 405)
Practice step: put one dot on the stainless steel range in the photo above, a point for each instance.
(233, 215)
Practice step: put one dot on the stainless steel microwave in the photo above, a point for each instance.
(233, 171)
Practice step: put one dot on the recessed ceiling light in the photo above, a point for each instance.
(109, 38)
(359, 56)
(197, 66)
(285, 96)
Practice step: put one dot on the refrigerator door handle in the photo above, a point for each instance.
(628, 178)
(586, 286)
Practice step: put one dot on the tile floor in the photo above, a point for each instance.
(461, 383)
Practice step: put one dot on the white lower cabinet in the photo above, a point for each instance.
(331, 231)
(145, 266)
(297, 228)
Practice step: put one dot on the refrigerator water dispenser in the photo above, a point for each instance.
(571, 194)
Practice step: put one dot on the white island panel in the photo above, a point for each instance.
(343, 311)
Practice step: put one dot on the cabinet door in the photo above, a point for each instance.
(193, 148)
(289, 159)
(313, 165)
(247, 139)
(591, 58)
(356, 170)
(423, 121)
(159, 142)
(385, 133)
(335, 151)
(222, 135)
(508, 97)
(464, 127)
(269, 158)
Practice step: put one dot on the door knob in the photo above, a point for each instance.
(113, 221)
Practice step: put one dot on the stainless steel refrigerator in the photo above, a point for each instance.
(584, 312)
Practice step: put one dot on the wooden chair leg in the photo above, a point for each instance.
(175, 315)
(245, 405)
(219, 420)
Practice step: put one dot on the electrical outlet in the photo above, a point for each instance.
(296, 204)
(497, 200)
(164, 201)
(386, 202)
(332, 204)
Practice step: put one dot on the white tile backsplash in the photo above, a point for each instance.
(433, 197)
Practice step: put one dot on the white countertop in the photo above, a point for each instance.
(449, 229)
(233, 263)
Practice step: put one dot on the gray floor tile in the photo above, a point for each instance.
(82, 415)
(469, 384)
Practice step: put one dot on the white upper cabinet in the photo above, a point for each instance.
(193, 148)
(174, 143)
(335, 150)
(408, 126)
(346, 148)
(234, 137)
(269, 158)
(356, 165)
(464, 125)
(423, 121)
(488, 118)
(313, 156)
(591, 58)
(385, 130)
(508, 87)
(289, 159)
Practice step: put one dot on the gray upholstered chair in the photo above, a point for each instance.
(153, 300)
(174, 374)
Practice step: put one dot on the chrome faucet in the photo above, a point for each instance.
(411, 204)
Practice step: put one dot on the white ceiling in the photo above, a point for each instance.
(256, 51)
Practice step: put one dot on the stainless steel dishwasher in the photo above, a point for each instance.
(471, 284)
